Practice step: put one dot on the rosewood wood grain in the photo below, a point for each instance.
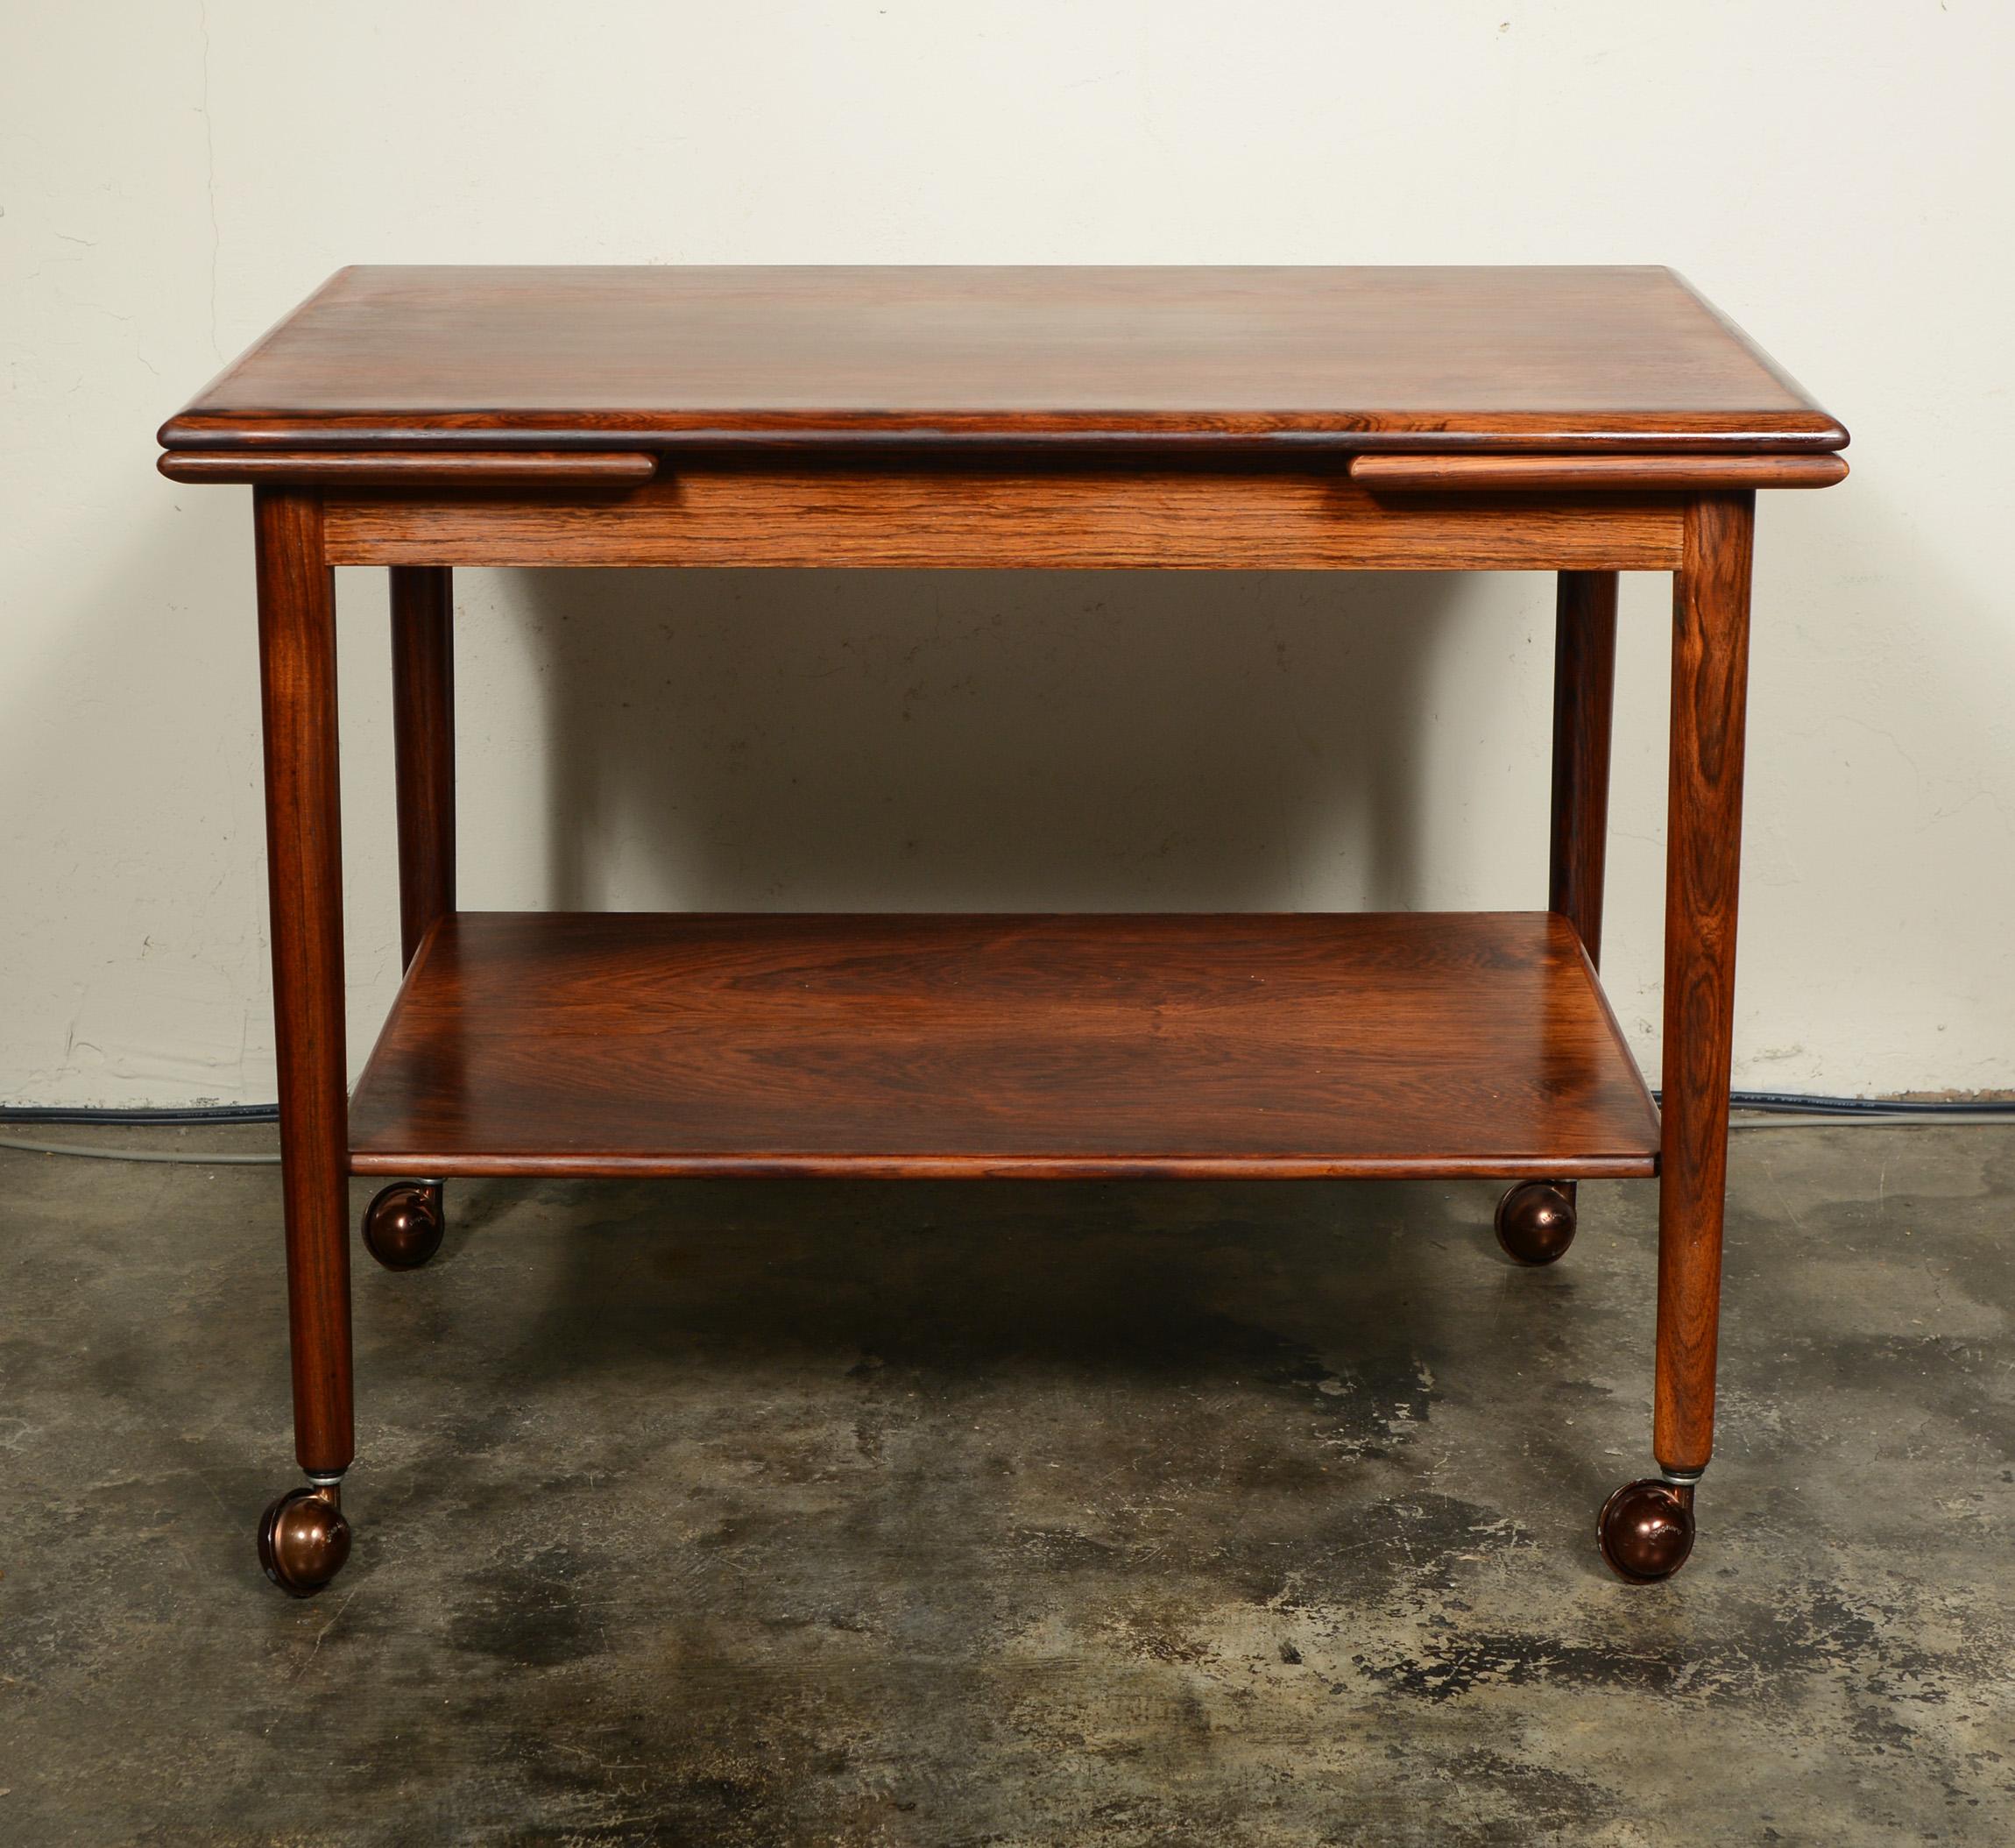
(1584, 699)
(1590, 474)
(304, 875)
(1173, 516)
(414, 470)
(1710, 679)
(1523, 360)
(423, 746)
(1260, 1046)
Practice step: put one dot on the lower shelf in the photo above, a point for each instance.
(1276, 1046)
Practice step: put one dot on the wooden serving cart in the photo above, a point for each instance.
(1582, 421)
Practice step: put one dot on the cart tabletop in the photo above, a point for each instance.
(1539, 360)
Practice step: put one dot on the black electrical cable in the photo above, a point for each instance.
(1811, 1105)
(1779, 1109)
(1800, 1102)
(192, 1113)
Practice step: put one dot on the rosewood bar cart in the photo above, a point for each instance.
(1583, 422)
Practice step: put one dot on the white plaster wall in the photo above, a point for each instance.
(173, 177)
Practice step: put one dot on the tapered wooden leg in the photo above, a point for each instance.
(304, 863)
(402, 1226)
(1584, 698)
(423, 741)
(1536, 1219)
(1703, 856)
(1647, 1529)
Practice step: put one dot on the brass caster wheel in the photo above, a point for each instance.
(1536, 1222)
(1645, 1530)
(303, 1539)
(402, 1226)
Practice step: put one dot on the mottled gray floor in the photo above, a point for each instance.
(1013, 1514)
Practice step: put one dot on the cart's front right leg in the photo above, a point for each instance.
(1647, 1528)
(303, 1538)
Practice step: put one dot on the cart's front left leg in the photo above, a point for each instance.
(303, 1538)
(1647, 1528)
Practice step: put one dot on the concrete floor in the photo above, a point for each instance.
(1012, 1514)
